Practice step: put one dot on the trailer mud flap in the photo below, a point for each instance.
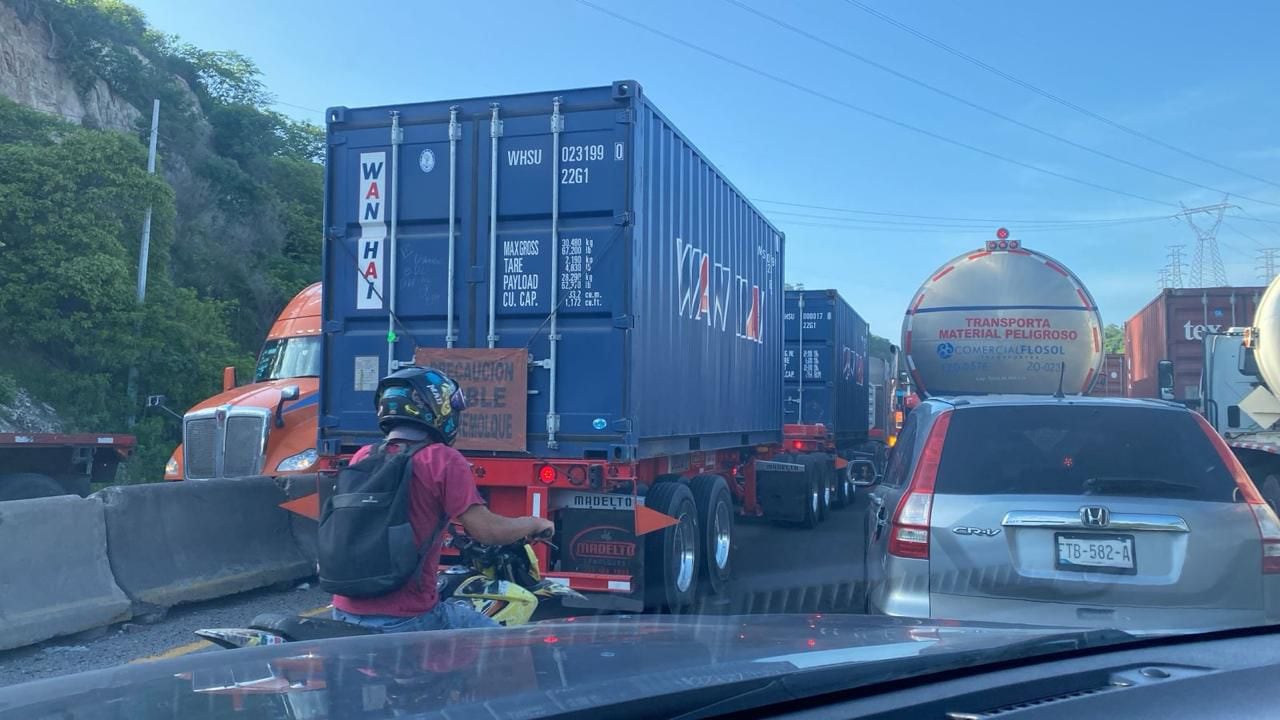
(781, 489)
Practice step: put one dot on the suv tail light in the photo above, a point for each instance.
(909, 534)
(1263, 515)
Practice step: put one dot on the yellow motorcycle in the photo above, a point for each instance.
(502, 581)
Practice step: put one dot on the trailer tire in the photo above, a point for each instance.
(844, 487)
(715, 511)
(822, 466)
(24, 486)
(813, 489)
(671, 554)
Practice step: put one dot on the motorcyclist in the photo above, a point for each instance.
(415, 405)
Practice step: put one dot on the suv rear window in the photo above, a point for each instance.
(1080, 450)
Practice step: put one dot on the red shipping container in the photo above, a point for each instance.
(1112, 380)
(1172, 327)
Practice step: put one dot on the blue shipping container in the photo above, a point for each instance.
(825, 365)
(669, 300)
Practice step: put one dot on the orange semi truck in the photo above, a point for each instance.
(267, 427)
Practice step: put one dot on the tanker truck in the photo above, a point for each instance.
(1239, 384)
(1034, 328)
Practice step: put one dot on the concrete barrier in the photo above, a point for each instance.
(304, 529)
(179, 542)
(54, 575)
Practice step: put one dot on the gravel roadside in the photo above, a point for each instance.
(120, 644)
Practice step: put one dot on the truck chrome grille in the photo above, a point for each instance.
(243, 453)
(199, 447)
(232, 450)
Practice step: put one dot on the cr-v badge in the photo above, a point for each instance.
(985, 532)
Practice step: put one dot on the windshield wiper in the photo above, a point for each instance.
(1137, 485)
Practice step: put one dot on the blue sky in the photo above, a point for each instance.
(1201, 81)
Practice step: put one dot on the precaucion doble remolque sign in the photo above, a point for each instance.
(1003, 320)
(496, 384)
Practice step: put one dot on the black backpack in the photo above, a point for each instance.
(365, 543)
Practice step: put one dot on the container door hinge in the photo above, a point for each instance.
(624, 218)
(621, 426)
(625, 117)
(333, 326)
(335, 233)
(624, 322)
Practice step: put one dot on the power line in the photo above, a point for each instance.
(981, 108)
(1242, 233)
(985, 227)
(1048, 95)
(864, 111)
(1021, 221)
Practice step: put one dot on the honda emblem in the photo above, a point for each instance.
(1095, 516)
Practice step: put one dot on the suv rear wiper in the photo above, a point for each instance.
(1145, 486)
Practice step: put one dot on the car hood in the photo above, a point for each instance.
(543, 669)
(262, 395)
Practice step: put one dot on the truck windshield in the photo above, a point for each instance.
(288, 358)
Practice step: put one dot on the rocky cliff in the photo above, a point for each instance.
(31, 74)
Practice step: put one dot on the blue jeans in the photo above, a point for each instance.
(448, 615)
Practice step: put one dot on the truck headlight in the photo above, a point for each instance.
(301, 461)
(171, 467)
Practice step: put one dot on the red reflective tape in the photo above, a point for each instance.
(1083, 298)
(1056, 268)
(946, 270)
(1096, 344)
(906, 343)
(982, 254)
(918, 301)
(1088, 380)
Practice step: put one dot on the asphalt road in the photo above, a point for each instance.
(776, 569)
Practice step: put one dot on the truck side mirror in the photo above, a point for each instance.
(286, 394)
(228, 378)
(1164, 379)
(1248, 364)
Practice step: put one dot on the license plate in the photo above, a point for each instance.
(1096, 553)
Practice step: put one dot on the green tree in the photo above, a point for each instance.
(879, 347)
(71, 206)
(1113, 339)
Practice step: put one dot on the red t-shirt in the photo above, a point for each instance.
(442, 484)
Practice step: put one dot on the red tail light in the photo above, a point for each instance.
(546, 474)
(1263, 515)
(909, 534)
(797, 444)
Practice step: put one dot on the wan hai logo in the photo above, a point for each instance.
(711, 292)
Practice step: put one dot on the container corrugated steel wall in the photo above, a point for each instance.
(832, 340)
(1111, 381)
(1172, 327)
(670, 281)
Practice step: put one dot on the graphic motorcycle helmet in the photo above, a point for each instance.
(423, 397)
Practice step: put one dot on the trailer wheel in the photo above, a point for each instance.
(23, 486)
(671, 554)
(715, 511)
(813, 509)
(844, 487)
(820, 466)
